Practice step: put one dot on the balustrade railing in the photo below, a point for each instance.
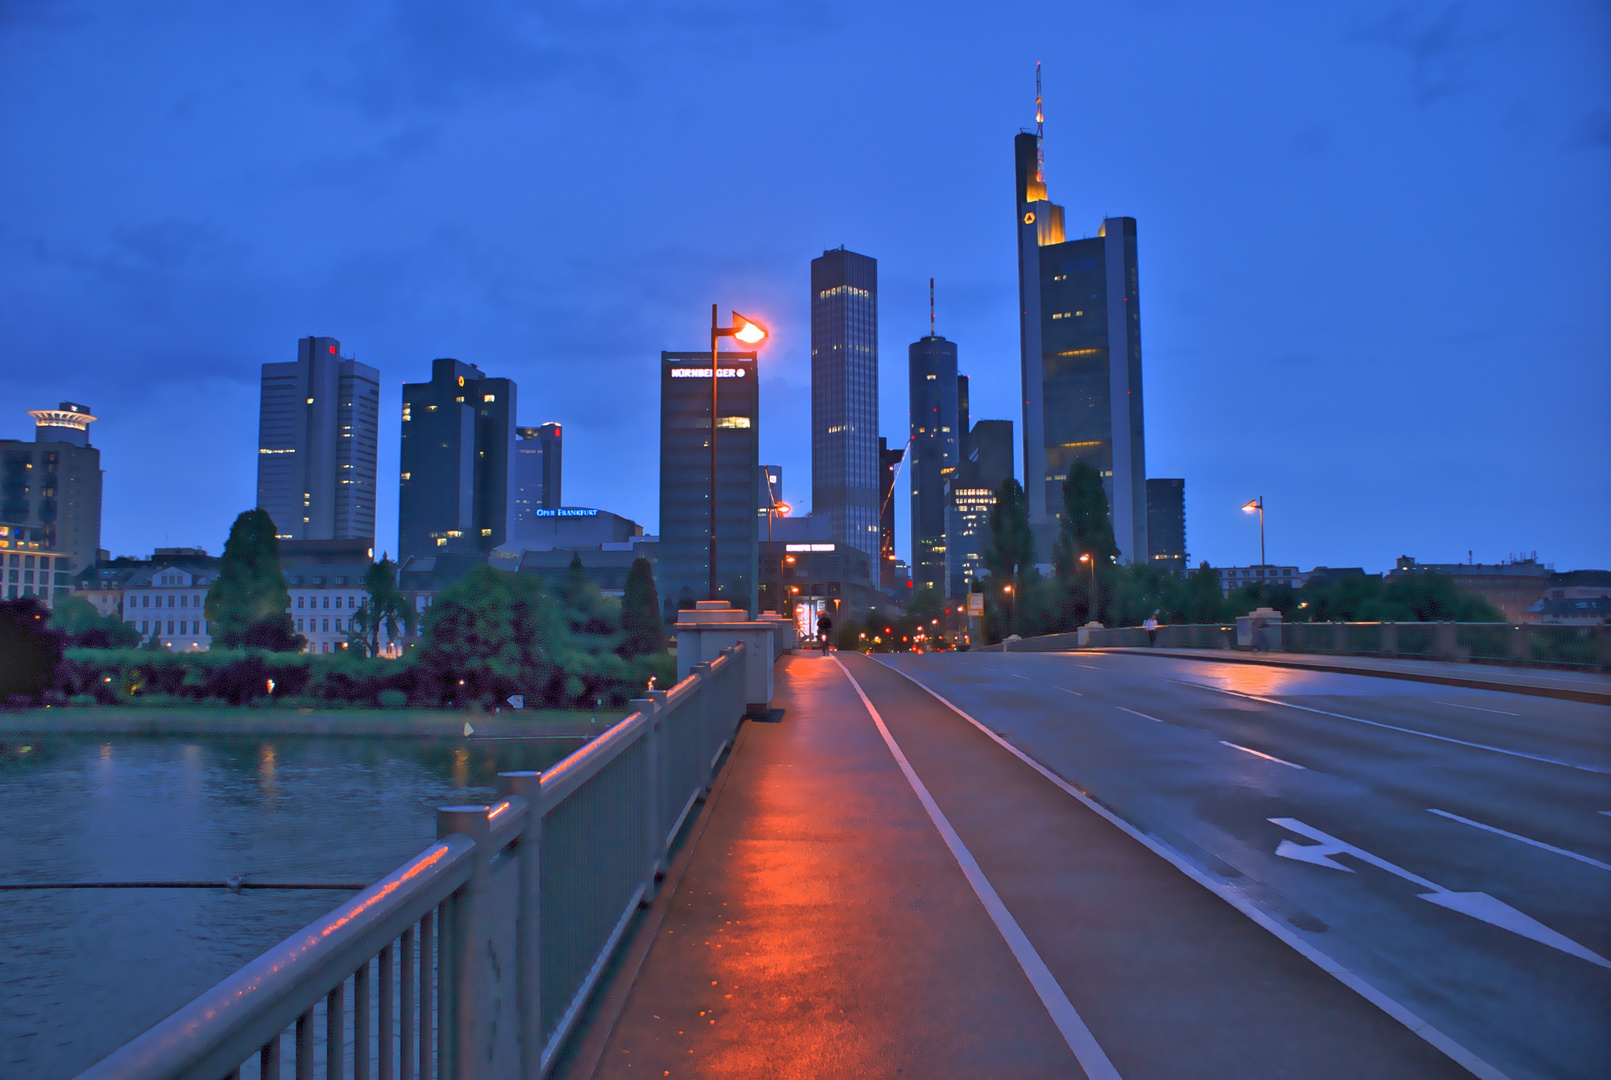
(472, 961)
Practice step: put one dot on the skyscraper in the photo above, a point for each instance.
(685, 482)
(985, 464)
(50, 504)
(844, 397)
(932, 387)
(458, 479)
(538, 460)
(317, 432)
(1166, 523)
(1080, 335)
(889, 462)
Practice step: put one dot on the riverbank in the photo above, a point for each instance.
(390, 723)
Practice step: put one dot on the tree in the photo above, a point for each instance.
(248, 604)
(492, 635)
(86, 628)
(1086, 527)
(643, 633)
(385, 606)
(30, 649)
(1012, 546)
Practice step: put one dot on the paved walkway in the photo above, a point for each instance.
(824, 927)
(1592, 687)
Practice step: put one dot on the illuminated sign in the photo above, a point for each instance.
(704, 373)
(1029, 218)
(808, 547)
(566, 512)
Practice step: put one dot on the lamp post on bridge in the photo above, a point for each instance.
(750, 333)
(1257, 505)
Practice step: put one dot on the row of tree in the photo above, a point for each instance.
(1089, 583)
(491, 636)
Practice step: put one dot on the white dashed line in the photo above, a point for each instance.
(1026, 678)
(1523, 839)
(1143, 715)
(1066, 690)
(1476, 708)
(1255, 753)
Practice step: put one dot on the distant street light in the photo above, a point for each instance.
(1086, 558)
(749, 332)
(775, 508)
(1251, 506)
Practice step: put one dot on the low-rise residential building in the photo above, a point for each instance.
(165, 602)
(1232, 578)
(325, 579)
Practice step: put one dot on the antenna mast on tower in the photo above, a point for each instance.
(931, 307)
(1040, 132)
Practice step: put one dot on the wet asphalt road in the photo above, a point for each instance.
(1202, 756)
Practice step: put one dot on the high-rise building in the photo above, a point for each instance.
(844, 397)
(50, 504)
(318, 430)
(986, 463)
(932, 386)
(538, 459)
(1166, 523)
(889, 463)
(1080, 335)
(685, 482)
(458, 479)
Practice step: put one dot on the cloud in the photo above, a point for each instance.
(1437, 42)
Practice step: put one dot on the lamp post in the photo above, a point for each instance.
(1012, 597)
(1086, 558)
(1257, 505)
(750, 333)
(773, 509)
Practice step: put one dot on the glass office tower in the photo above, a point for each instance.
(457, 483)
(685, 430)
(889, 462)
(932, 389)
(844, 397)
(1166, 523)
(318, 430)
(1080, 337)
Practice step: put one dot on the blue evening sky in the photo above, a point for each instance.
(1375, 238)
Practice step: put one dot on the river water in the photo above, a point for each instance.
(84, 970)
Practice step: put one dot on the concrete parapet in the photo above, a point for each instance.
(704, 630)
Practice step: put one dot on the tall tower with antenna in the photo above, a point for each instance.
(1080, 352)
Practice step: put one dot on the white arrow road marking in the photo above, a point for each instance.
(1523, 839)
(1478, 905)
(1143, 715)
(1255, 753)
(468, 730)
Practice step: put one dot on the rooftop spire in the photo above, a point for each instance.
(1040, 131)
(931, 307)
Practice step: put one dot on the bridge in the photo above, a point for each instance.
(1101, 863)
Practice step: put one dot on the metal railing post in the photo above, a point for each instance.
(654, 779)
(704, 705)
(528, 920)
(463, 967)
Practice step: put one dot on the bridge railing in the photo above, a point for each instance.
(1582, 647)
(473, 959)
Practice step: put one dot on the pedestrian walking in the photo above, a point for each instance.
(1151, 626)
(824, 625)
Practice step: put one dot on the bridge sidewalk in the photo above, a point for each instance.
(823, 928)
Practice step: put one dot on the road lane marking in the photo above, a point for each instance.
(1255, 753)
(1394, 727)
(1066, 690)
(1026, 678)
(1143, 715)
(1478, 905)
(1283, 933)
(1523, 839)
(1079, 1038)
(1475, 708)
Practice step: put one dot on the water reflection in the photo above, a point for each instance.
(81, 971)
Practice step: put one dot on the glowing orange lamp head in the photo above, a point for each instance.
(748, 331)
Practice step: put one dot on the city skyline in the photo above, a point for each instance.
(164, 297)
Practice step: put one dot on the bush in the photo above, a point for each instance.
(392, 699)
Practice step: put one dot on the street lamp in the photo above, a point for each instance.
(1258, 506)
(1013, 599)
(750, 333)
(1086, 558)
(773, 509)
